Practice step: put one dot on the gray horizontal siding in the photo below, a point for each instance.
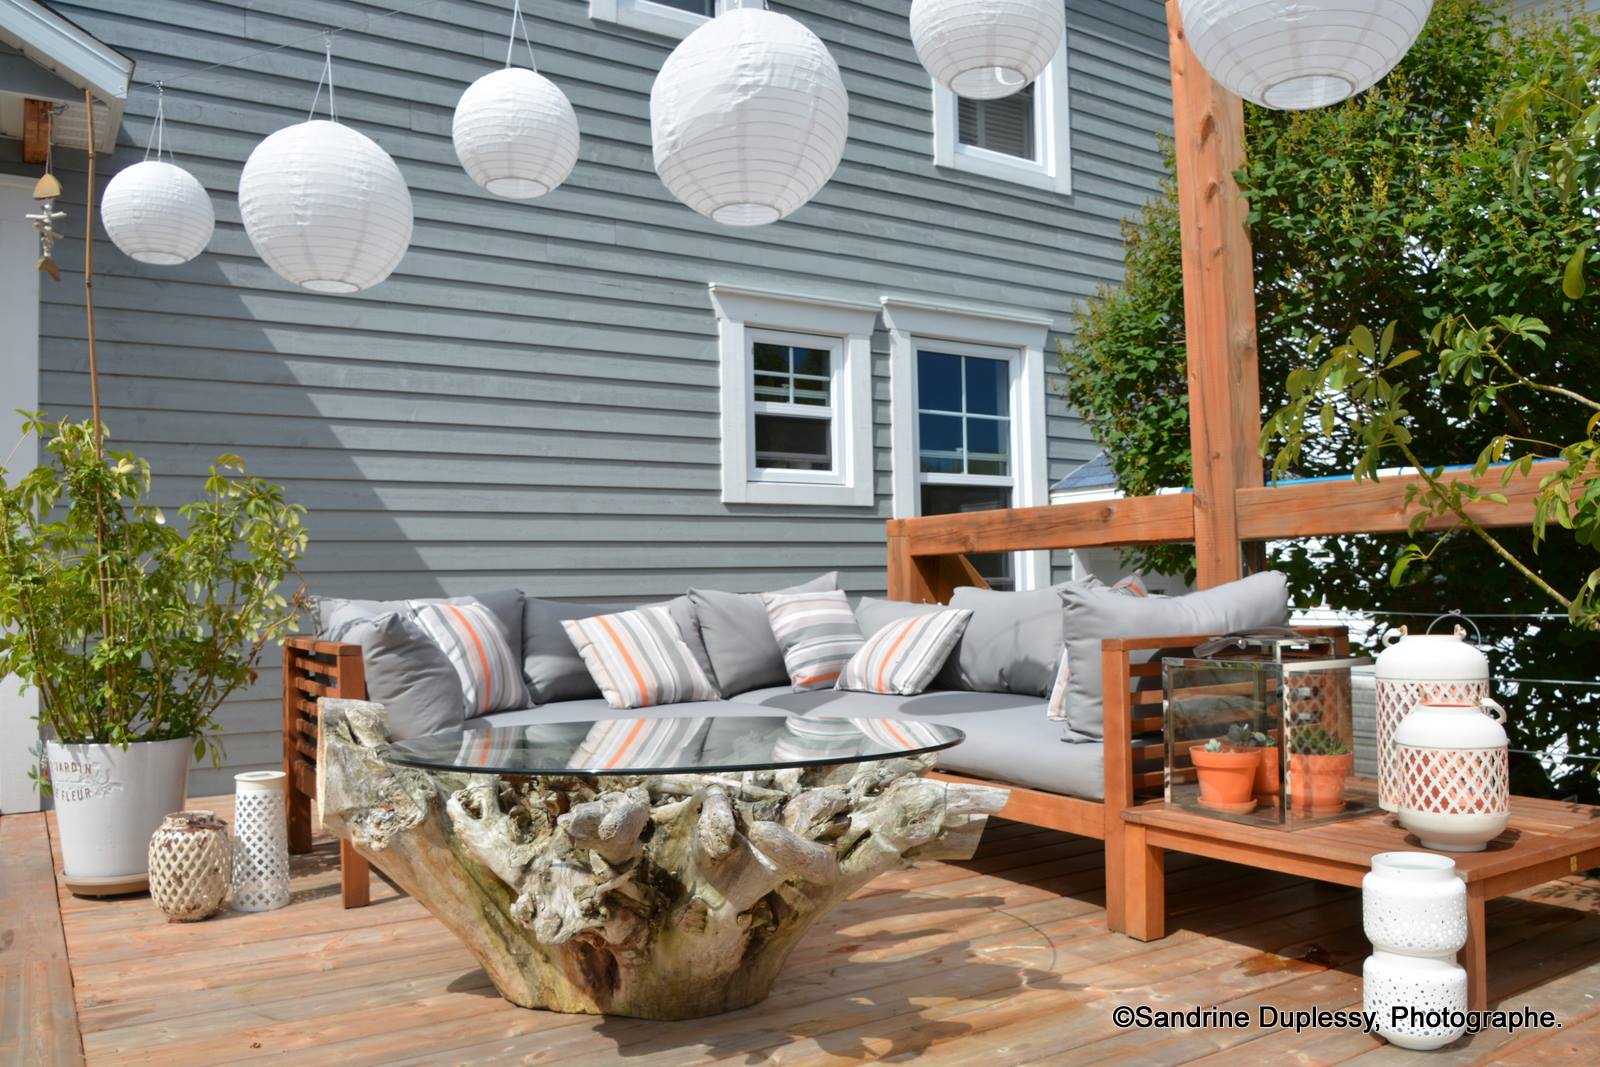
(531, 400)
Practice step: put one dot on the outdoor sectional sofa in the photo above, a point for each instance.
(1079, 786)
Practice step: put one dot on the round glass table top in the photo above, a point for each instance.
(670, 746)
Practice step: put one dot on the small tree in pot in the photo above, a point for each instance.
(133, 631)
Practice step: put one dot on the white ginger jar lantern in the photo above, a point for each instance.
(1414, 668)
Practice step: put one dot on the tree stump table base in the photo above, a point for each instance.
(666, 896)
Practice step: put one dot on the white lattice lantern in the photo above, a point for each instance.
(1414, 911)
(1455, 778)
(985, 49)
(748, 118)
(261, 842)
(158, 213)
(1414, 669)
(515, 133)
(325, 207)
(1299, 54)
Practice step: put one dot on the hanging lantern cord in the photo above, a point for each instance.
(327, 76)
(518, 22)
(158, 131)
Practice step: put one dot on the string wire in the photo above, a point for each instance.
(517, 21)
(325, 76)
(158, 130)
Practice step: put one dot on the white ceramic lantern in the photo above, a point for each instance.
(985, 49)
(325, 207)
(1299, 54)
(261, 845)
(1455, 781)
(157, 213)
(1414, 668)
(515, 133)
(1414, 911)
(748, 118)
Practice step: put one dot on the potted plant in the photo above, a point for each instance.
(1226, 767)
(1319, 764)
(134, 630)
(1269, 780)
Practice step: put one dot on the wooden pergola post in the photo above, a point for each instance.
(1219, 310)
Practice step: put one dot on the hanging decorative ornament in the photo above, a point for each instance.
(154, 211)
(323, 205)
(1297, 54)
(986, 49)
(515, 132)
(748, 117)
(45, 190)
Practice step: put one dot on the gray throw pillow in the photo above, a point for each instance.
(335, 613)
(1091, 614)
(407, 673)
(873, 613)
(551, 664)
(1012, 643)
(738, 641)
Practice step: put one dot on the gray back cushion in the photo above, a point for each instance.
(1012, 643)
(407, 673)
(737, 638)
(1092, 613)
(335, 613)
(873, 614)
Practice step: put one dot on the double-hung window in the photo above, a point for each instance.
(1021, 138)
(796, 393)
(665, 18)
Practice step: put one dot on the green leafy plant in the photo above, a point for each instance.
(131, 628)
(1316, 741)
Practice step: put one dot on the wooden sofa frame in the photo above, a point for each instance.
(1133, 758)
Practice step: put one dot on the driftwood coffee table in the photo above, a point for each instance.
(659, 868)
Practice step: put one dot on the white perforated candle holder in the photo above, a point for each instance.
(1455, 776)
(1414, 911)
(261, 843)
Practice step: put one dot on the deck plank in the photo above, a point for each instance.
(38, 1027)
(1004, 958)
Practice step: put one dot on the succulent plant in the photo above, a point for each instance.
(1214, 745)
(1240, 735)
(1316, 741)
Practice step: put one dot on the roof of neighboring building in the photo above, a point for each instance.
(1095, 474)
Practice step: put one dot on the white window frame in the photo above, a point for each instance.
(834, 346)
(747, 315)
(1050, 171)
(660, 19)
(1012, 334)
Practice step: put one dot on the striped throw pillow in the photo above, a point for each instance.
(903, 657)
(1057, 708)
(490, 673)
(817, 634)
(613, 743)
(638, 659)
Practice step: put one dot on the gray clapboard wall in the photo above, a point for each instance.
(531, 399)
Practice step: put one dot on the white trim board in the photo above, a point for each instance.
(19, 386)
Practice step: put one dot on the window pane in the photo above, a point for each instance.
(996, 567)
(987, 392)
(707, 8)
(790, 443)
(772, 387)
(938, 381)
(1004, 125)
(770, 357)
(940, 443)
(811, 391)
(988, 446)
(813, 361)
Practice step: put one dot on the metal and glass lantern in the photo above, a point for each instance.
(1258, 729)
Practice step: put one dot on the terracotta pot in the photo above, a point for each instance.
(1226, 777)
(1268, 780)
(1316, 783)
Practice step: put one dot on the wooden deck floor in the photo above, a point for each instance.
(1002, 960)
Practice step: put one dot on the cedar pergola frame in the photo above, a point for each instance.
(1230, 512)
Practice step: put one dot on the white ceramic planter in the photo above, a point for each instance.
(109, 801)
(1416, 668)
(1455, 778)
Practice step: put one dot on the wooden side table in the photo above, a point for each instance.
(1546, 839)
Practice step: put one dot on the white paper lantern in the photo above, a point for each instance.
(986, 49)
(157, 213)
(325, 207)
(1299, 54)
(515, 133)
(748, 117)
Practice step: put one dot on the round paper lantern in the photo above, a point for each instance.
(515, 133)
(157, 213)
(748, 117)
(325, 207)
(986, 49)
(1296, 54)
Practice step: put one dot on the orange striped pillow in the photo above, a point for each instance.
(491, 675)
(904, 656)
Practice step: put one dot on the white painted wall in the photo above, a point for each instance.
(19, 388)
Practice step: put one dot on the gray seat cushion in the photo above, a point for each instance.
(1008, 736)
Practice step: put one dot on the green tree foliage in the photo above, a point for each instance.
(1410, 205)
(130, 627)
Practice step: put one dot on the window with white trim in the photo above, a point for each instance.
(967, 391)
(796, 384)
(666, 18)
(1020, 138)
